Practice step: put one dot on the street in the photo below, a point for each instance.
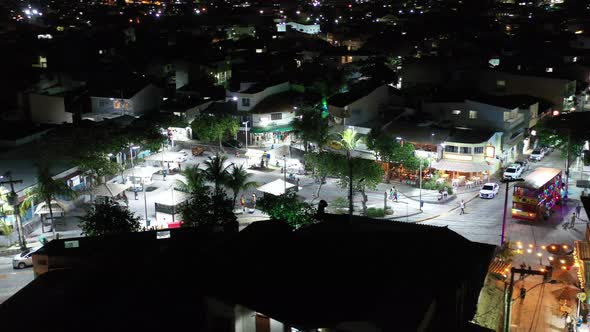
(12, 280)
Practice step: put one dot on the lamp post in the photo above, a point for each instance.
(131, 148)
(420, 175)
(507, 182)
(246, 125)
(285, 173)
(147, 221)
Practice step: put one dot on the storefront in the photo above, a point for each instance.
(272, 135)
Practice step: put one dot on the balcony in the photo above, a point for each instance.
(513, 122)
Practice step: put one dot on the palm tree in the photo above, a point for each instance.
(238, 180)
(194, 179)
(46, 190)
(350, 141)
(216, 171)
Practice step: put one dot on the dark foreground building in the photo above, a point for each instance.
(338, 275)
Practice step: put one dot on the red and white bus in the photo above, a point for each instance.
(537, 194)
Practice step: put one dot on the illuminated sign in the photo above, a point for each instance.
(458, 157)
(490, 152)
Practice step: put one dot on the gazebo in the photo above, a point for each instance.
(109, 190)
(57, 208)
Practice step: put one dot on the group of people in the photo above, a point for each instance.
(575, 215)
(393, 194)
(243, 203)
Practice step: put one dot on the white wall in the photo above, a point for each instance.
(305, 28)
(48, 109)
(255, 98)
(245, 319)
(264, 120)
(148, 99)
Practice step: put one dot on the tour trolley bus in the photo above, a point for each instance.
(537, 194)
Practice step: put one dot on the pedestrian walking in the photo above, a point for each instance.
(445, 193)
(573, 220)
(243, 203)
(391, 193)
(395, 194)
(254, 201)
(462, 206)
(578, 210)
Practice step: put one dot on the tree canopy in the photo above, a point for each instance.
(312, 127)
(288, 208)
(206, 208)
(392, 150)
(109, 218)
(215, 128)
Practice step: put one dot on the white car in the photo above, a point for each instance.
(24, 259)
(514, 171)
(489, 190)
(537, 154)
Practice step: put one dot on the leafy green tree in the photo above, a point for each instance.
(391, 150)
(551, 132)
(288, 208)
(212, 128)
(205, 208)
(216, 171)
(46, 190)
(109, 218)
(367, 174)
(312, 127)
(237, 180)
(350, 140)
(323, 165)
(379, 71)
(194, 179)
(98, 166)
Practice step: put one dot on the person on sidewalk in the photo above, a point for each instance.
(573, 220)
(243, 203)
(395, 194)
(445, 193)
(578, 210)
(462, 206)
(253, 202)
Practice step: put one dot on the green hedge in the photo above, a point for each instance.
(375, 213)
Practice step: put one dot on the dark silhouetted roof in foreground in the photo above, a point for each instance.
(387, 273)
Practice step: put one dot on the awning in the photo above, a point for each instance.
(271, 129)
(109, 189)
(461, 166)
(277, 187)
(141, 171)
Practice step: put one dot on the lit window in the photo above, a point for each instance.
(549, 69)
(276, 116)
(456, 112)
(473, 114)
(117, 104)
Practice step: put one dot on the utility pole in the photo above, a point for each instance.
(508, 294)
(13, 200)
(567, 163)
(285, 174)
(420, 175)
(507, 182)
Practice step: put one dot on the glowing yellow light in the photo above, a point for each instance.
(543, 247)
(519, 246)
(529, 250)
(565, 246)
(530, 245)
(562, 261)
(563, 267)
(539, 254)
(551, 258)
(553, 247)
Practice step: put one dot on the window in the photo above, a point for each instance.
(276, 116)
(246, 102)
(456, 112)
(466, 150)
(451, 148)
(473, 114)
(500, 85)
(478, 150)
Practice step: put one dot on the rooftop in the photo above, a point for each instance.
(285, 102)
(360, 266)
(464, 135)
(508, 101)
(356, 92)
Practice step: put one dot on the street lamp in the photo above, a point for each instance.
(507, 182)
(285, 173)
(245, 123)
(131, 148)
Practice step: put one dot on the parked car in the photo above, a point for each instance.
(523, 164)
(489, 190)
(24, 259)
(514, 171)
(232, 143)
(537, 154)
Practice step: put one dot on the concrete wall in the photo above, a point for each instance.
(367, 108)
(548, 88)
(48, 109)
(146, 100)
(257, 97)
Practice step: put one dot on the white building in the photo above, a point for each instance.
(310, 29)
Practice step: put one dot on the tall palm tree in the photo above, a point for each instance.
(216, 171)
(350, 141)
(194, 179)
(46, 190)
(238, 180)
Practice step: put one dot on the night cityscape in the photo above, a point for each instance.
(305, 165)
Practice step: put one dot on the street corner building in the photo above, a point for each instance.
(341, 274)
